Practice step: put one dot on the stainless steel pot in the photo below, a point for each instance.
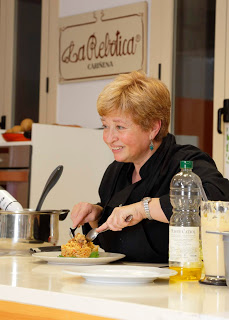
(22, 230)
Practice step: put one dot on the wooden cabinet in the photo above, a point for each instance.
(15, 164)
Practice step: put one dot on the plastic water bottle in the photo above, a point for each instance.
(184, 227)
(8, 202)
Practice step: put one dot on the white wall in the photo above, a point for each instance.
(84, 156)
(76, 102)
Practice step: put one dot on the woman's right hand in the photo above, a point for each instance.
(84, 212)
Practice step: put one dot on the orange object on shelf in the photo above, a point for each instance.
(14, 137)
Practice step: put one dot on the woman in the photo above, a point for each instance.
(135, 113)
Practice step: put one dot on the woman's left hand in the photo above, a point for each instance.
(116, 220)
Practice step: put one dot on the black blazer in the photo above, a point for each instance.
(148, 240)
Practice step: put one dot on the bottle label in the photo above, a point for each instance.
(184, 244)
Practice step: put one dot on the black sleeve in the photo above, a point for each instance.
(214, 184)
(166, 206)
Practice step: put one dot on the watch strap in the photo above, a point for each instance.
(145, 202)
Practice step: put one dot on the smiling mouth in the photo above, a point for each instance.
(116, 148)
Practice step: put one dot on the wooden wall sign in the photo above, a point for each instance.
(103, 43)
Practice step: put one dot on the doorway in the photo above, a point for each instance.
(27, 48)
(189, 41)
(193, 68)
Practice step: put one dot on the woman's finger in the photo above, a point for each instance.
(78, 214)
(103, 227)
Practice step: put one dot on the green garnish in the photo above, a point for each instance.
(94, 254)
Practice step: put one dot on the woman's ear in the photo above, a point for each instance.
(155, 129)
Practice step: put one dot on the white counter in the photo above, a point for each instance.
(27, 280)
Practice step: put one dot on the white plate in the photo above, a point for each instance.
(53, 257)
(121, 274)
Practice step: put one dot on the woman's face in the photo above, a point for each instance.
(127, 140)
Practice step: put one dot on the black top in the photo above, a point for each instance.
(148, 240)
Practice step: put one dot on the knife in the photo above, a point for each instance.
(45, 249)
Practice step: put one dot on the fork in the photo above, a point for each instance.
(92, 234)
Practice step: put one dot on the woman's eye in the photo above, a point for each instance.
(120, 128)
(104, 126)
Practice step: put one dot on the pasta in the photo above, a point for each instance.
(79, 247)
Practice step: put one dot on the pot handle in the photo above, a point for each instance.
(63, 214)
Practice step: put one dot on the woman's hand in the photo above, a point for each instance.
(116, 220)
(84, 212)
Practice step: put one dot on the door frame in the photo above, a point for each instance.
(7, 9)
(161, 41)
(221, 77)
(48, 62)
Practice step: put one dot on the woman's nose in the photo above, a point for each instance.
(110, 136)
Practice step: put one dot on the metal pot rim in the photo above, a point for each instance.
(33, 211)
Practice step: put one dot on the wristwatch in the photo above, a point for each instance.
(145, 202)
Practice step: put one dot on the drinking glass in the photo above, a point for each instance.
(214, 218)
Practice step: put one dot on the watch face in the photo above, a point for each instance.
(146, 199)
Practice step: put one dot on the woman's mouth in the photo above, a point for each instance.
(114, 149)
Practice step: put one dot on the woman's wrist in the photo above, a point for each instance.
(156, 211)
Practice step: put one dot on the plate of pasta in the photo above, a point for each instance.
(78, 250)
(56, 258)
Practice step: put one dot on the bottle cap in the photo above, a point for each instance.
(186, 164)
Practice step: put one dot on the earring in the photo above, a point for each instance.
(151, 146)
